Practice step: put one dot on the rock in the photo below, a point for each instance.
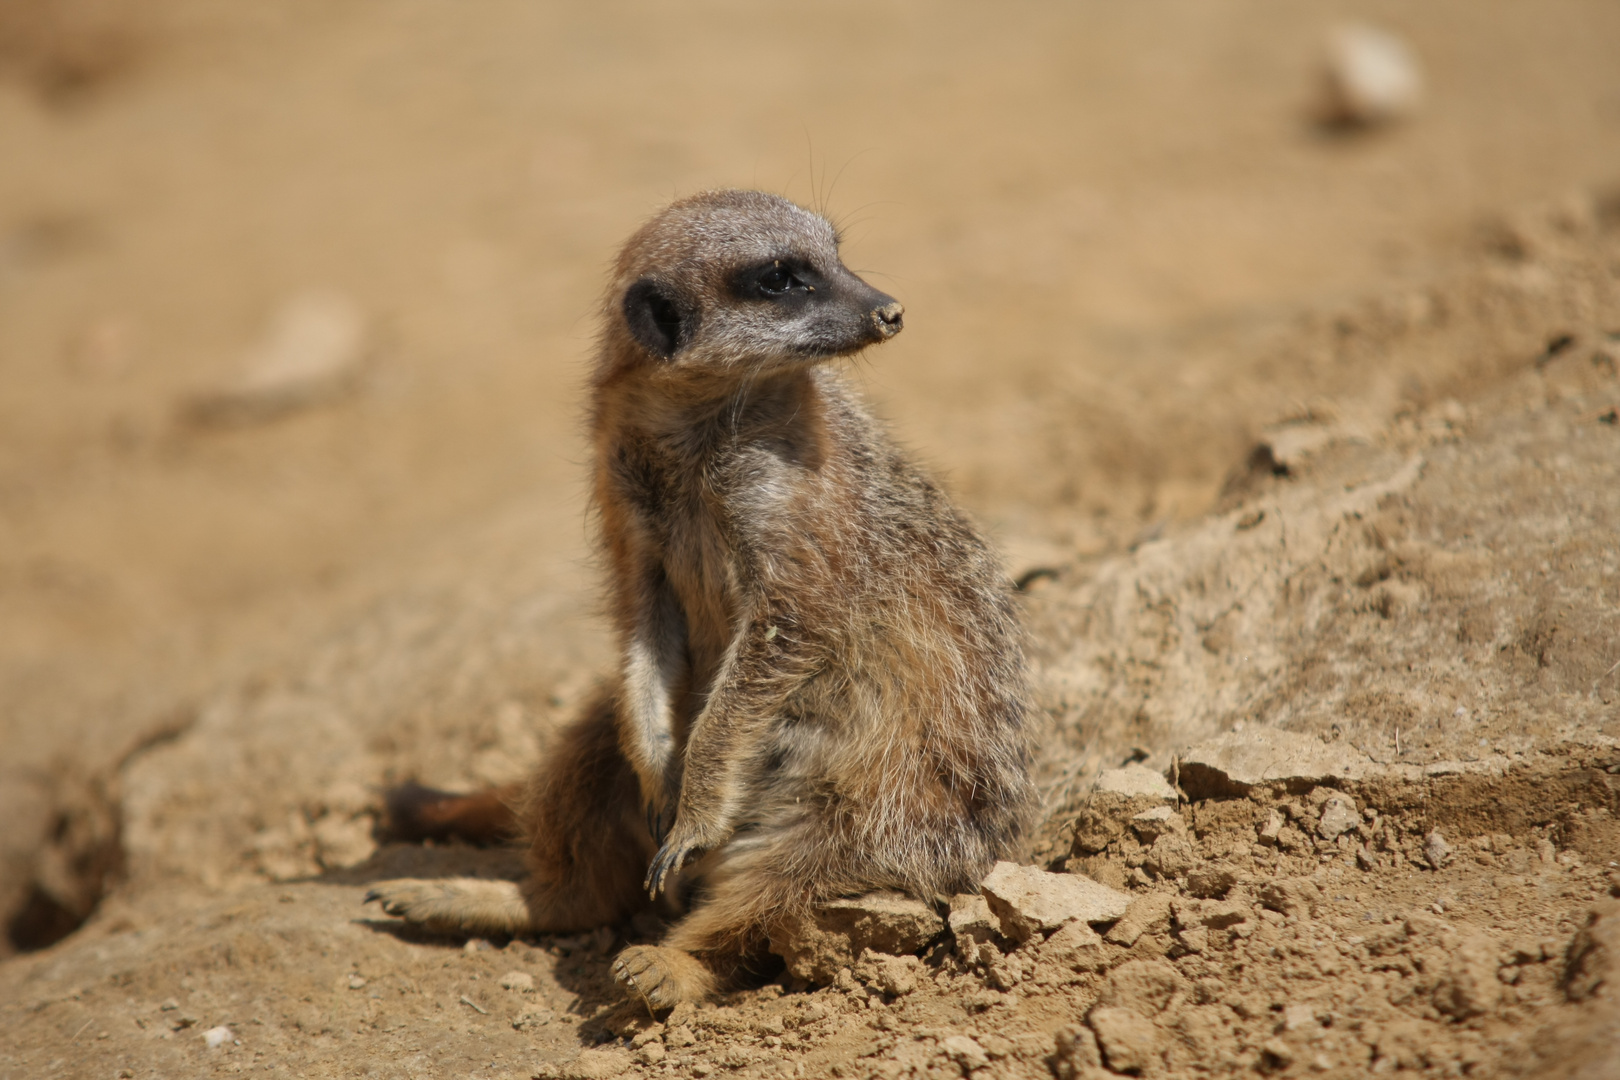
(519, 981)
(1468, 985)
(1370, 76)
(1128, 1040)
(310, 354)
(1028, 900)
(597, 1064)
(1134, 780)
(1077, 947)
(1271, 828)
(1436, 851)
(216, 1037)
(815, 947)
(1594, 954)
(1339, 816)
(1299, 1018)
(893, 975)
(1146, 914)
(1211, 882)
(1145, 986)
(1149, 825)
(1235, 762)
(965, 1051)
(1116, 797)
(970, 919)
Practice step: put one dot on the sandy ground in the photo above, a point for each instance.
(1128, 258)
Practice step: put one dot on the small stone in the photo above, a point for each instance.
(1271, 828)
(651, 1054)
(1154, 823)
(1233, 763)
(356, 981)
(1370, 76)
(970, 920)
(1211, 882)
(311, 353)
(1299, 1018)
(520, 981)
(1135, 780)
(598, 1064)
(1435, 850)
(965, 1051)
(1365, 859)
(216, 1037)
(476, 945)
(1339, 816)
(1146, 914)
(1128, 1040)
(1028, 900)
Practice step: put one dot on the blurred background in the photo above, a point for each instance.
(290, 291)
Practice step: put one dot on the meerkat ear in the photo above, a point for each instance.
(657, 318)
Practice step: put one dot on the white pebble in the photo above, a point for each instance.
(521, 981)
(217, 1037)
(1371, 76)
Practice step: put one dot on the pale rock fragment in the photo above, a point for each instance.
(1028, 900)
(1436, 851)
(965, 1051)
(1369, 76)
(1128, 1040)
(1157, 822)
(1339, 816)
(310, 353)
(1135, 780)
(518, 981)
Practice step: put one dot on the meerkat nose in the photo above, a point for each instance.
(888, 318)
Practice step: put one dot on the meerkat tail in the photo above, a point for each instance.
(455, 905)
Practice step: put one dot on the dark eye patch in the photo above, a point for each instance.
(774, 280)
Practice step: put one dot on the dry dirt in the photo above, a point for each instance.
(1304, 442)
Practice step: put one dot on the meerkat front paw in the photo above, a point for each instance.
(663, 977)
(455, 905)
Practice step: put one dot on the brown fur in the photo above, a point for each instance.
(821, 688)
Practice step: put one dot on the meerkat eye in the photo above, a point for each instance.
(779, 279)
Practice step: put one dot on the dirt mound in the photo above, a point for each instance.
(1381, 674)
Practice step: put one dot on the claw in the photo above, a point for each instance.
(667, 861)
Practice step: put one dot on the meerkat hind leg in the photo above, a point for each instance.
(456, 905)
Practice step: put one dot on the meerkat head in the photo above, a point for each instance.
(740, 282)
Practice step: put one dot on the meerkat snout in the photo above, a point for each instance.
(889, 319)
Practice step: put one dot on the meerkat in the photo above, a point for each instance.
(821, 686)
